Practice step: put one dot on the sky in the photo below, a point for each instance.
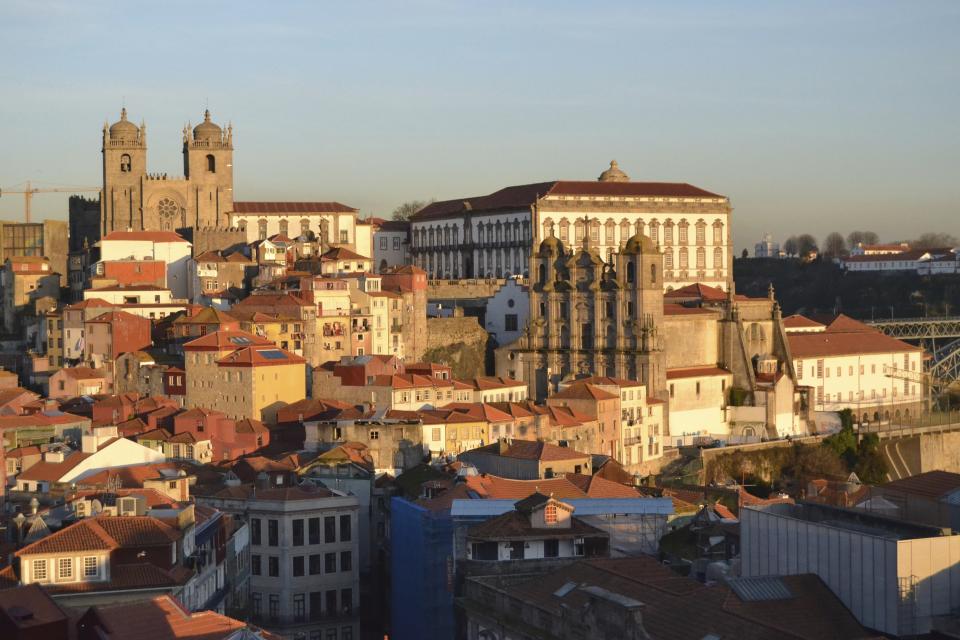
(811, 116)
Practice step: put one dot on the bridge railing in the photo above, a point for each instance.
(901, 425)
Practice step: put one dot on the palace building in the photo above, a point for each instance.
(493, 235)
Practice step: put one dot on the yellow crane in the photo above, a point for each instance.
(29, 190)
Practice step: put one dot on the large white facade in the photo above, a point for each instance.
(152, 245)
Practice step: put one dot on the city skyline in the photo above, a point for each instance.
(805, 117)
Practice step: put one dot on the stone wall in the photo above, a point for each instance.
(227, 239)
(460, 343)
(463, 289)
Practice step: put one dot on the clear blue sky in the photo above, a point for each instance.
(811, 116)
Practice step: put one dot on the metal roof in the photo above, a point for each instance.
(582, 507)
(759, 589)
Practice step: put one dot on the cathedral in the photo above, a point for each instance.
(591, 317)
(134, 199)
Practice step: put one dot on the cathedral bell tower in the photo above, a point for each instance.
(208, 168)
(124, 168)
(640, 276)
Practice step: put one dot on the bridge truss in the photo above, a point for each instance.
(939, 336)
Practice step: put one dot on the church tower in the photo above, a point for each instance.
(208, 168)
(124, 169)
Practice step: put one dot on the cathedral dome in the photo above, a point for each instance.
(123, 129)
(640, 244)
(551, 245)
(207, 130)
(613, 174)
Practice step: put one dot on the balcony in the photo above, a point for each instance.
(629, 442)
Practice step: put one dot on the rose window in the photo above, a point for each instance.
(167, 208)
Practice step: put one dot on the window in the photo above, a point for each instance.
(383, 243)
(257, 604)
(516, 550)
(298, 532)
(65, 568)
(329, 529)
(344, 236)
(550, 514)
(39, 570)
(273, 533)
(274, 607)
(314, 530)
(125, 163)
(299, 607)
(374, 435)
(346, 601)
(819, 368)
(255, 564)
(316, 564)
(346, 633)
(578, 546)
(510, 322)
(298, 566)
(330, 563)
(396, 244)
(346, 561)
(671, 390)
(211, 163)
(331, 604)
(551, 548)
(274, 566)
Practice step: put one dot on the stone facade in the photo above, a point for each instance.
(137, 200)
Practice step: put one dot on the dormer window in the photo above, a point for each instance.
(550, 514)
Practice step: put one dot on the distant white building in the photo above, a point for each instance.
(767, 248)
(152, 245)
(391, 243)
(920, 261)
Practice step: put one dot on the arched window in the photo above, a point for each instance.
(653, 274)
(125, 163)
(211, 163)
(631, 272)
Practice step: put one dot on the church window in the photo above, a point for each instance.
(630, 272)
(125, 163)
(701, 258)
(718, 258)
(683, 258)
(211, 163)
(168, 211)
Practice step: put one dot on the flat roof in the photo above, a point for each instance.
(854, 520)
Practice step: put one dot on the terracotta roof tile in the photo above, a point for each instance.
(291, 207)
(696, 372)
(152, 236)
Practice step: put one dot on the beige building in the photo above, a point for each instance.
(331, 223)
(137, 200)
(492, 235)
(29, 284)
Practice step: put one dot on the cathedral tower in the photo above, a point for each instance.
(124, 168)
(208, 167)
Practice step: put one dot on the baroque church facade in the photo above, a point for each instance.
(132, 198)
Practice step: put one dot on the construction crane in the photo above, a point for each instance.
(29, 190)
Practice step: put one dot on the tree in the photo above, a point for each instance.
(865, 237)
(745, 254)
(834, 246)
(935, 240)
(805, 244)
(407, 209)
(790, 247)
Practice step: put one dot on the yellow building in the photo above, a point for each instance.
(254, 382)
(201, 357)
(284, 330)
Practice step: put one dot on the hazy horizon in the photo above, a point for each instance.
(812, 117)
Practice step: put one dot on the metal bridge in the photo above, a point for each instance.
(939, 336)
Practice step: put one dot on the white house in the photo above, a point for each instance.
(391, 243)
(167, 246)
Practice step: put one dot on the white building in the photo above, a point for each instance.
(493, 235)
(508, 312)
(853, 366)
(919, 261)
(330, 222)
(697, 403)
(152, 245)
(391, 243)
(767, 248)
(893, 575)
(879, 249)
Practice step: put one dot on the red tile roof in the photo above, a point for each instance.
(680, 310)
(832, 343)
(82, 373)
(104, 533)
(291, 207)
(262, 356)
(162, 618)
(225, 340)
(698, 290)
(524, 196)
(584, 391)
(530, 450)
(797, 321)
(341, 253)
(44, 471)
(696, 372)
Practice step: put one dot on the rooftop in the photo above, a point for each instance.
(291, 207)
(854, 520)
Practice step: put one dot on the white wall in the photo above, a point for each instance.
(121, 453)
(513, 299)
